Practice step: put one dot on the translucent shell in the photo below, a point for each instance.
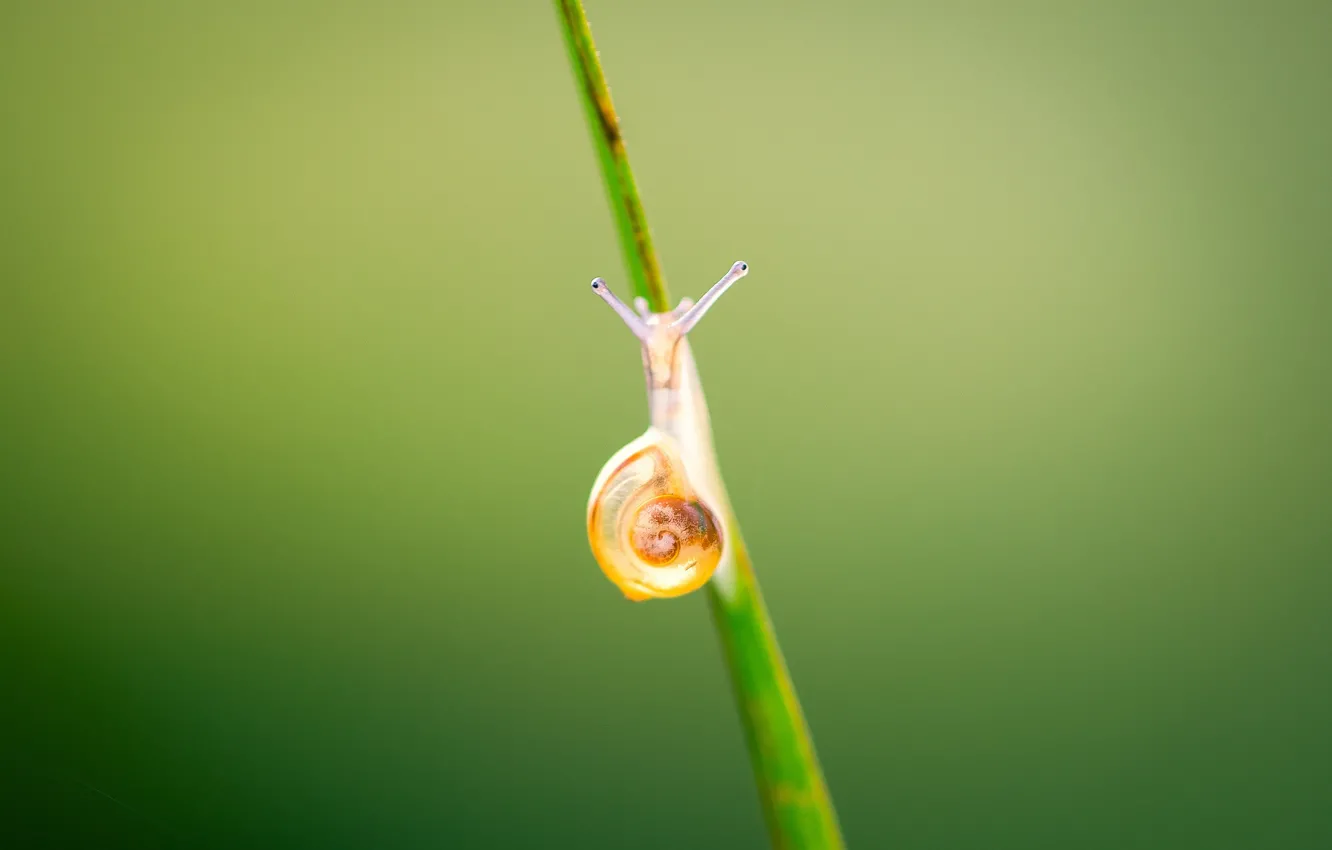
(650, 532)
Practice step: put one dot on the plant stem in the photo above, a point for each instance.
(630, 221)
(796, 804)
(794, 796)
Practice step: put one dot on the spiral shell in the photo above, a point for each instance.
(650, 532)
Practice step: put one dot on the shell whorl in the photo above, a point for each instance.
(650, 531)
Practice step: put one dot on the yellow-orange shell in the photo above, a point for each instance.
(650, 532)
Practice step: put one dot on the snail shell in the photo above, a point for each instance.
(650, 532)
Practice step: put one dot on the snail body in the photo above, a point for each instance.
(652, 517)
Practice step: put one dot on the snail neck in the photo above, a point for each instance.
(677, 408)
(672, 381)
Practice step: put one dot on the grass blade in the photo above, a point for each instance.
(794, 796)
(796, 804)
(630, 221)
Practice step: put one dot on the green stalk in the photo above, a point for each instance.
(794, 796)
(630, 221)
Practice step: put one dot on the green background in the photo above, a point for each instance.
(1025, 406)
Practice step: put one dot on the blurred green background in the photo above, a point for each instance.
(1025, 406)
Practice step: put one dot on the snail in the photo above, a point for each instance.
(655, 518)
